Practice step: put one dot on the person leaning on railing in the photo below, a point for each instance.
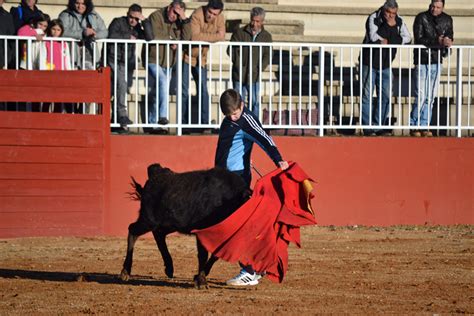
(168, 23)
(208, 25)
(81, 22)
(6, 28)
(121, 58)
(246, 67)
(31, 51)
(383, 27)
(433, 29)
(6, 47)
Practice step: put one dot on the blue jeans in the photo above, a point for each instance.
(246, 91)
(201, 81)
(163, 95)
(426, 90)
(380, 107)
(123, 83)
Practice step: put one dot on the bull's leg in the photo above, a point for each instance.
(209, 264)
(160, 238)
(200, 278)
(135, 230)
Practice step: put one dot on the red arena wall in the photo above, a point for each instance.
(363, 181)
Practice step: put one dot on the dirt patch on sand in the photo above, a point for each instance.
(353, 270)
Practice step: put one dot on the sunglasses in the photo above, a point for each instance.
(134, 18)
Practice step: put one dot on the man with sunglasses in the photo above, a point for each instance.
(167, 24)
(121, 59)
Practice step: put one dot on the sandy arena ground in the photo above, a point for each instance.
(358, 270)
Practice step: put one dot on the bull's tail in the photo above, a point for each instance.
(135, 195)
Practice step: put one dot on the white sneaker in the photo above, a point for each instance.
(244, 278)
(258, 276)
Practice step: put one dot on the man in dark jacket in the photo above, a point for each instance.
(246, 70)
(383, 27)
(433, 29)
(123, 63)
(6, 28)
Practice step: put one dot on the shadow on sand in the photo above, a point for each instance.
(101, 278)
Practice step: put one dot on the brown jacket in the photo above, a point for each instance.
(205, 32)
(165, 30)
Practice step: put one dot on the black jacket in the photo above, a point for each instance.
(120, 29)
(6, 28)
(426, 29)
(376, 27)
(22, 14)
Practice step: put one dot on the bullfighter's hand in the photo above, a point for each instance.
(283, 165)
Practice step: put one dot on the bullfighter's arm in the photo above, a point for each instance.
(254, 131)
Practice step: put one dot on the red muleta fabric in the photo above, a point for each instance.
(259, 232)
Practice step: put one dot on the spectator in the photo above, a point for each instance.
(207, 24)
(31, 51)
(81, 22)
(7, 27)
(57, 57)
(433, 29)
(246, 71)
(383, 27)
(23, 13)
(239, 130)
(30, 56)
(168, 23)
(126, 27)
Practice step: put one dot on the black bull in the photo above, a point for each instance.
(181, 202)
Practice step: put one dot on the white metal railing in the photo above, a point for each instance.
(297, 78)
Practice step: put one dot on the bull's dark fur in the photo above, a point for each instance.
(180, 202)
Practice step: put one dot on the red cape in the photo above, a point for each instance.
(259, 232)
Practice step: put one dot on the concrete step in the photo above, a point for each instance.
(277, 27)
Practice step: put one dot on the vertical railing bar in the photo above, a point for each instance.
(459, 92)
(310, 84)
(341, 84)
(321, 91)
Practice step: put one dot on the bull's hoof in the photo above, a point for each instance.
(124, 275)
(169, 272)
(200, 282)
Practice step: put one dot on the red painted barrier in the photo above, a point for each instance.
(54, 171)
(364, 181)
(63, 174)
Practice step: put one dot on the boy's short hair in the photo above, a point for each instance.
(230, 101)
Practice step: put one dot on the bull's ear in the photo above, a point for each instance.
(153, 170)
(156, 170)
